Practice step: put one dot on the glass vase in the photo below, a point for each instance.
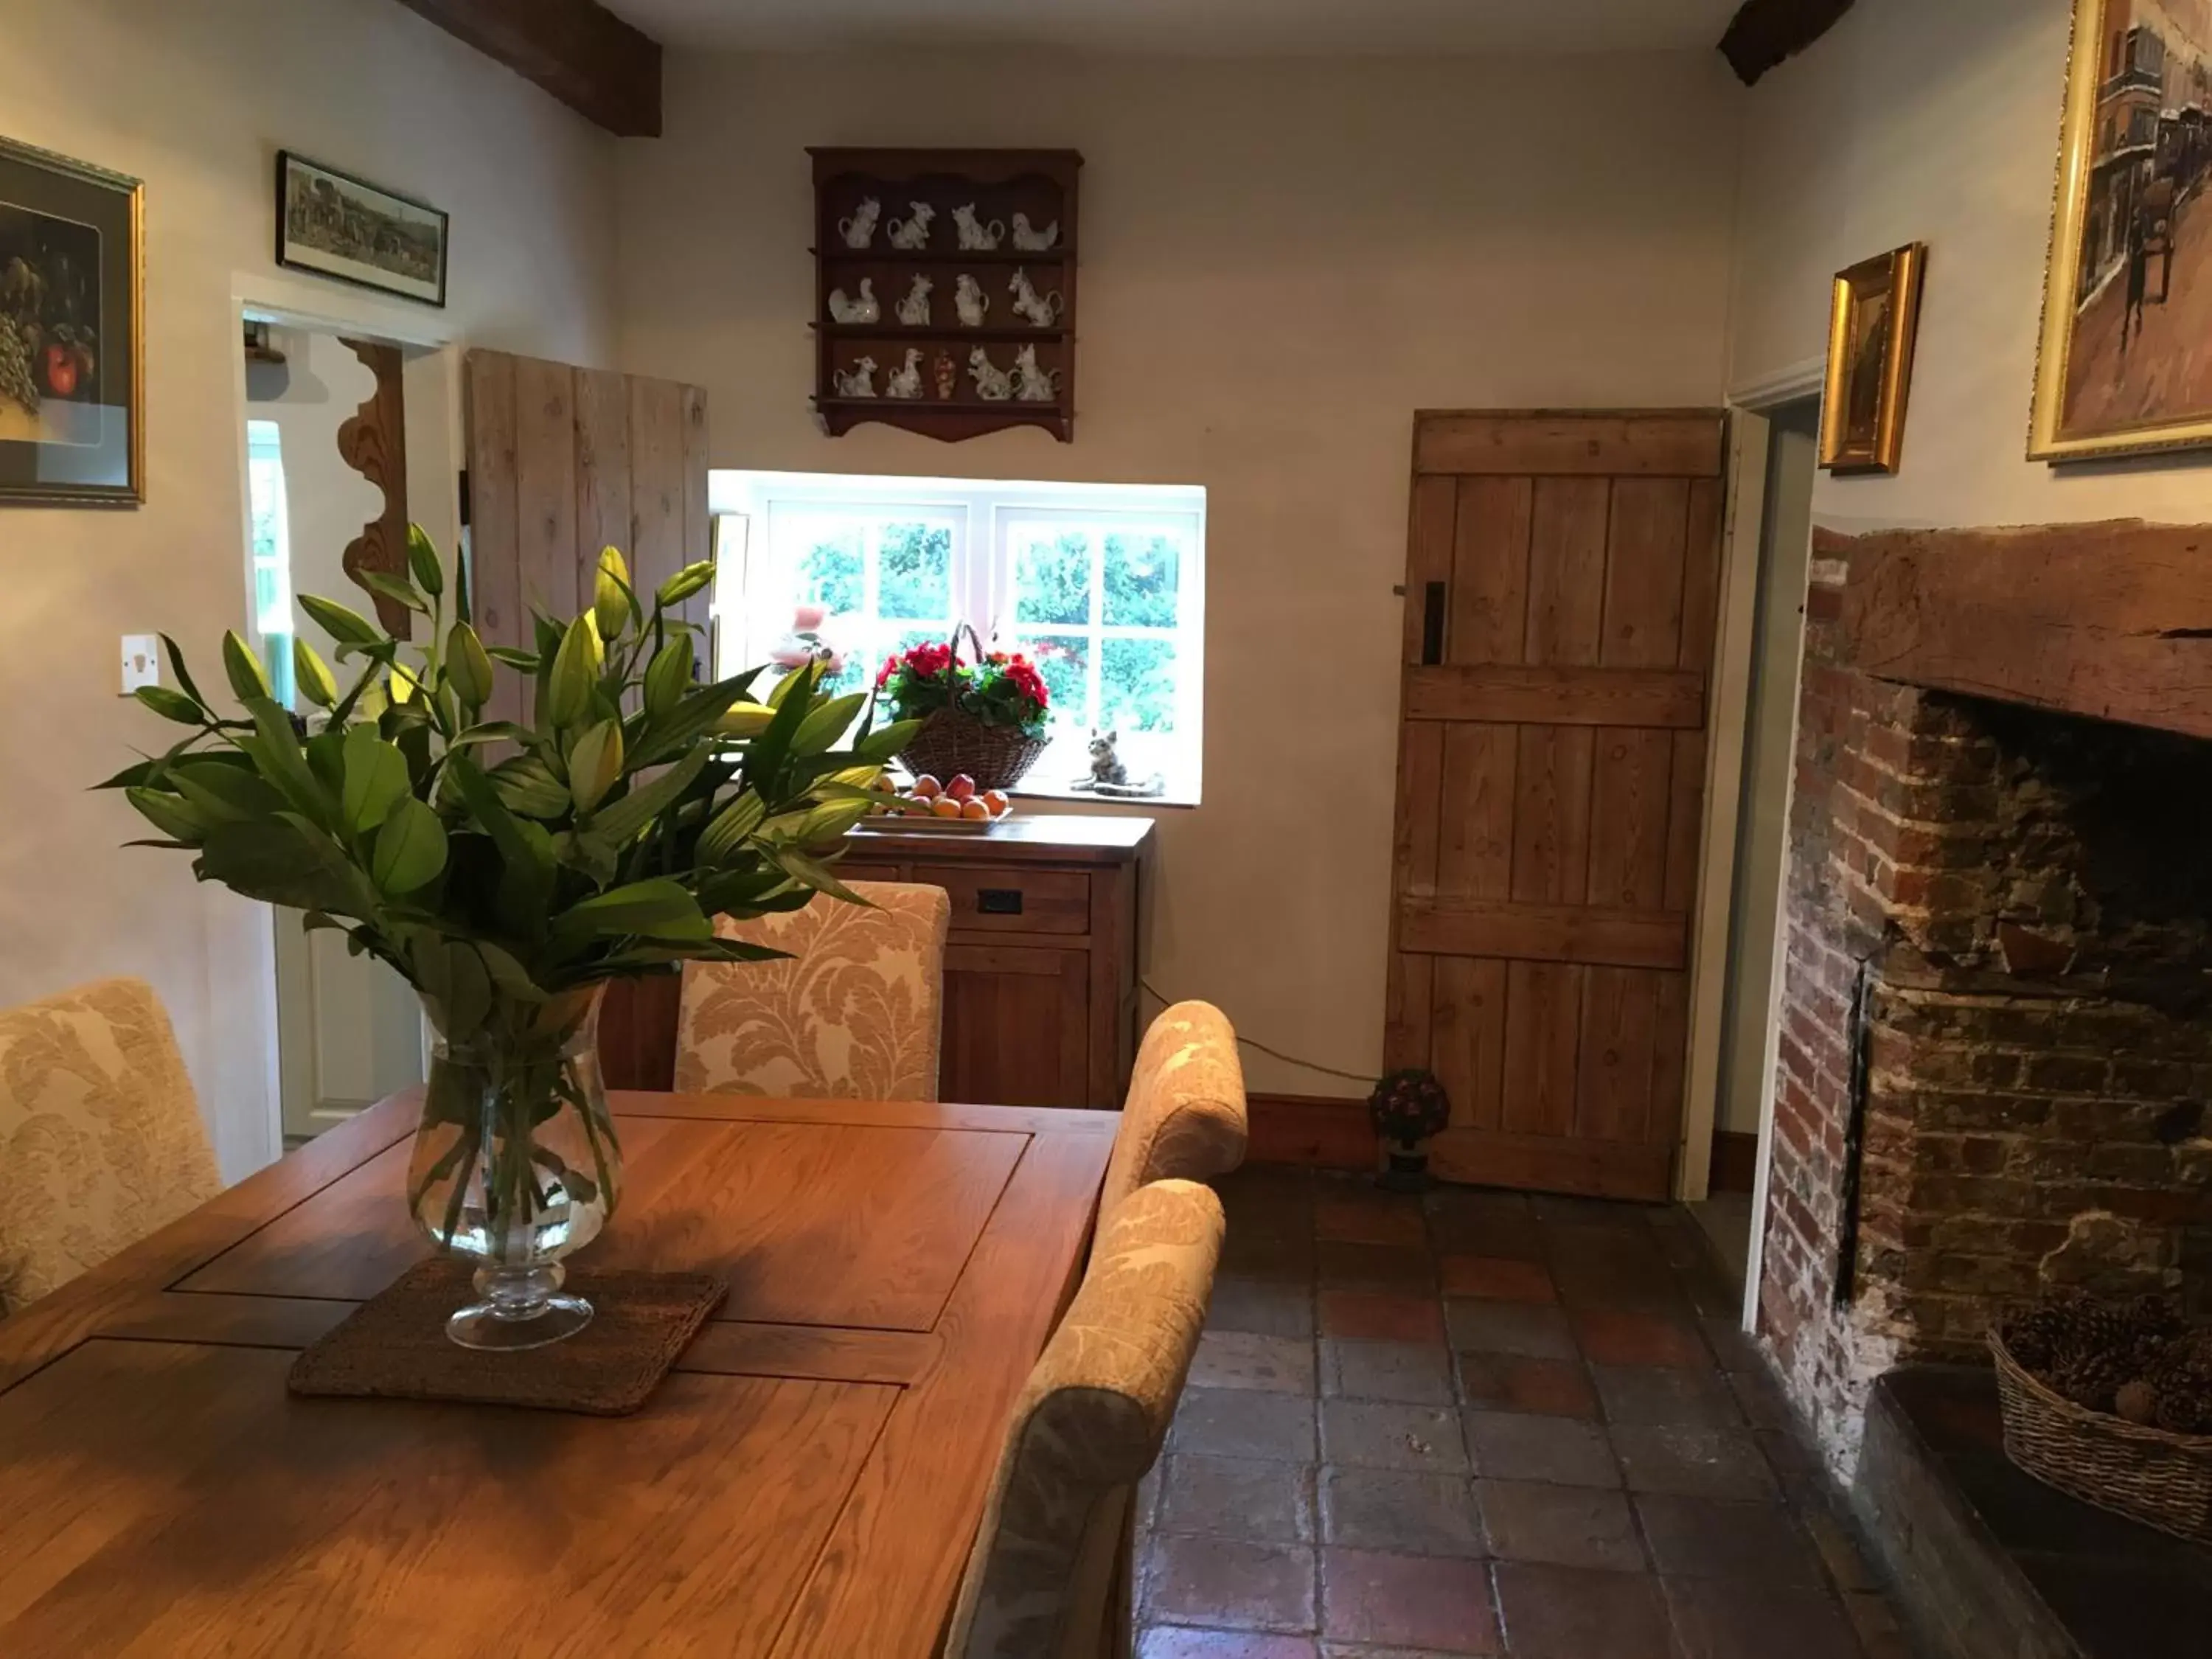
(515, 1163)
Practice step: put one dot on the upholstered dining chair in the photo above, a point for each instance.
(1048, 1577)
(1184, 1115)
(101, 1139)
(854, 1011)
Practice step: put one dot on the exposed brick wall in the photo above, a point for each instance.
(2025, 898)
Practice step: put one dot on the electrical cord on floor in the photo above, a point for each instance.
(1364, 1078)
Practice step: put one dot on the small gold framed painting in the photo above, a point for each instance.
(1870, 337)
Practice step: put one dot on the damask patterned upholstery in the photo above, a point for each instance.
(100, 1140)
(1088, 1424)
(1184, 1116)
(855, 1014)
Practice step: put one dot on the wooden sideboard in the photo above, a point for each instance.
(1040, 970)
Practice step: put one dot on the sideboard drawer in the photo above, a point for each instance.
(1013, 900)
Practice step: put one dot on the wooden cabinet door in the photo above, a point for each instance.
(1560, 595)
(1016, 1026)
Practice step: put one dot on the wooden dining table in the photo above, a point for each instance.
(806, 1482)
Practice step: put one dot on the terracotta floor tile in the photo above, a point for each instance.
(1182, 1642)
(1517, 1446)
(1376, 1315)
(1375, 1435)
(1411, 1373)
(1540, 1333)
(1389, 1267)
(1705, 1537)
(1620, 1336)
(1693, 1463)
(1739, 1619)
(1513, 1383)
(1496, 1279)
(1263, 1503)
(1243, 1359)
(1267, 1307)
(1682, 1395)
(1567, 1612)
(1559, 1526)
(1406, 1514)
(1369, 1218)
(1226, 1581)
(1237, 1423)
(1430, 1602)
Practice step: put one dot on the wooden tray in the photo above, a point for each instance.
(927, 823)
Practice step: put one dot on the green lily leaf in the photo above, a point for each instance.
(376, 777)
(347, 627)
(659, 908)
(171, 815)
(225, 795)
(184, 675)
(392, 587)
(618, 824)
(171, 705)
(410, 847)
(827, 724)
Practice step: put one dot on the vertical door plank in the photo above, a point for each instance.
(1670, 1053)
(1701, 576)
(1474, 838)
(698, 522)
(1644, 573)
(1543, 1031)
(1468, 1038)
(1490, 570)
(495, 560)
(603, 517)
(1684, 818)
(659, 519)
(1629, 807)
(545, 485)
(1566, 571)
(1407, 1003)
(1551, 813)
(1428, 556)
(1421, 788)
(1620, 1034)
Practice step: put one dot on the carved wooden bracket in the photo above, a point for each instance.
(374, 443)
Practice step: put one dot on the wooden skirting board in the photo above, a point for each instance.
(1320, 1131)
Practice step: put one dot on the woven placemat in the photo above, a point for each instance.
(394, 1346)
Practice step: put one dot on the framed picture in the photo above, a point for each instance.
(2125, 362)
(72, 388)
(335, 225)
(1871, 330)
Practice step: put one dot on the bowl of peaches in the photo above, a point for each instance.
(926, 804)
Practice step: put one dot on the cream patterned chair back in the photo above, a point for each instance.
(1184, 1117)
(100, 1140)
(1041, 1578)
(856, 1013)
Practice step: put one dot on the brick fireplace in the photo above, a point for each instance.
(1996, 1049)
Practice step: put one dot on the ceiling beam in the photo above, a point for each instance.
(1765, 32)
(579, 51)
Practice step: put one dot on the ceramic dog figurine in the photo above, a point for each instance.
(911, 233)
(1033, 241)
(1033, 385)
(859, 230)
(906, 382)
(975, 236)
(1041, 309)
(913, 310)
(992, 385)
(969, 300)
(865, 309)
(860, 381)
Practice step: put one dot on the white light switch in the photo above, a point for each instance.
(142, 661)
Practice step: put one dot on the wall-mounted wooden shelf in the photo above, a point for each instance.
(1039, 183)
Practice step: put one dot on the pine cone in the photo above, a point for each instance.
(2092, 1378)
(2183, 1380)
(2034, 1338)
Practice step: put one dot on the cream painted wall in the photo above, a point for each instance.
(1281, 262)
(1936, 123)
(196, 98)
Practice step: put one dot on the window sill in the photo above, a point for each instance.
(1065, 796)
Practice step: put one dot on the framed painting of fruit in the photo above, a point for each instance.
(72, 384)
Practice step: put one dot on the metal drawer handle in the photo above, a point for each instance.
(999, 901)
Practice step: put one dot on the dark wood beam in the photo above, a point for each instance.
(579, 51)
(1765, 32)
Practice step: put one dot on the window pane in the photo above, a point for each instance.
(1141, 580)
(1052, 576)
(915, 576)
(1064, 660)
(832, 571)
(1137, 685)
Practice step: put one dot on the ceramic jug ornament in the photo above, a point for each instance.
(911, 233)
(859, 230)
(969, 300)
(1032, 242)
(859, 381)
(947, 375)
(1041, 309)
(1033, 385)
(906, 382)
(862, 310)
(913, 310)
(975, 236)
(992, 385)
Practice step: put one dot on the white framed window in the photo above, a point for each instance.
(269, 528)
(1103, 585)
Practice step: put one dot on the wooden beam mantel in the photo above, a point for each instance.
(577, 50)
(2109, 620)
(1765, 32)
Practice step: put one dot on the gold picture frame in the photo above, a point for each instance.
(2122, 364)
(1872, 328)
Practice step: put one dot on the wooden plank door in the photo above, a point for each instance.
(563, 462)
(1560, 593)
